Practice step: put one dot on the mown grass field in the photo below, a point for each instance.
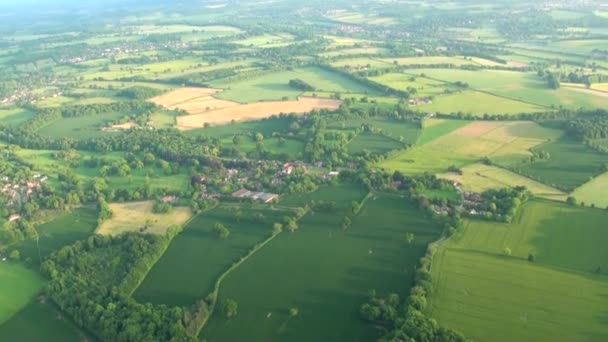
(63, 230)
(134, 216)
(480, 177)
(594, 192)
(18, 286)
(274, 86)
(197, 257)
(326, 273)
(446, 143)
(570, 164)
(490, 296)
(406, 131)
(40, 321)
(80, 127)
(478, 103)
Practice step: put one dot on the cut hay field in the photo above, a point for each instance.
(274, 86)
(480, 177)
(197, 257)
(507, 141)
(182, 95)
(134, 216)
(62, 230)
(570, 164)
(326, 273)
(18, 286)
(255, 111)
(41, 321)
(594, 192)
(489, 296)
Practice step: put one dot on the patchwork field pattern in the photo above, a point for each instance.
(489, 295)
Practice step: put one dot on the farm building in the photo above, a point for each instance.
(256, 196)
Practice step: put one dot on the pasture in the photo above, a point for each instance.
(594, 192)
(404, 131)
(14, 116)
(18, 286)
(480, 177)
(274, 86)
(326, 273)
(138, 216)
(471, 274)
(478, 103)
(62, 230)
(41, 321)
(81, 127)
(430, 60)
(255, 111)
(570, 164)
(197, 257)
(373, 143)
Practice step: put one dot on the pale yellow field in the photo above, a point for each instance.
(203, 104)
(182, 95)
(131, 217)
(480, 177)
(494, 139)
(256, 111)
(594, 192)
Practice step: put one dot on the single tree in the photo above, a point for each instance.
(409, 238)
(293, 312)
(531, 257)
(230, 308)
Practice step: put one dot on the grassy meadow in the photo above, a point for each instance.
(174, 281)
(135, 216)
(594, 192)
(329, 282)
(489, 295)
(18, 286)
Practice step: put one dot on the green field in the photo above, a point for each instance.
(63, 230)
(478, 104)
(406, 131)
(594, 192)
(174, 281)
(435, 128)
(274, 86)
(18, 286)
(374, 143)
(80, 127)
(326, 273)
(490, 296)
(15, 116)
(40, 321)
(481, 177)
(570, 164)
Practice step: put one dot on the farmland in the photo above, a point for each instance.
(472, 266)
(19, 285)
(139, 216)
(325, 284)
(303, 171)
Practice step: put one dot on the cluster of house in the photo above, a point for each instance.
(471, 203)
(256, 196)
(28, 95)
(17, 192)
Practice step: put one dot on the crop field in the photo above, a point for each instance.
(181, 95)
(135, 216)
(374, 143)
(508, 141)
(570, 164)
(63, 230)
(274, 86)
(18, 286)
(174, 281)
(594, 192)
(435, 128)
(38, 321)
(15, 116)
(327, 283)
(481, 177)
(255, 111)
(341, 194)
(472, 274)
